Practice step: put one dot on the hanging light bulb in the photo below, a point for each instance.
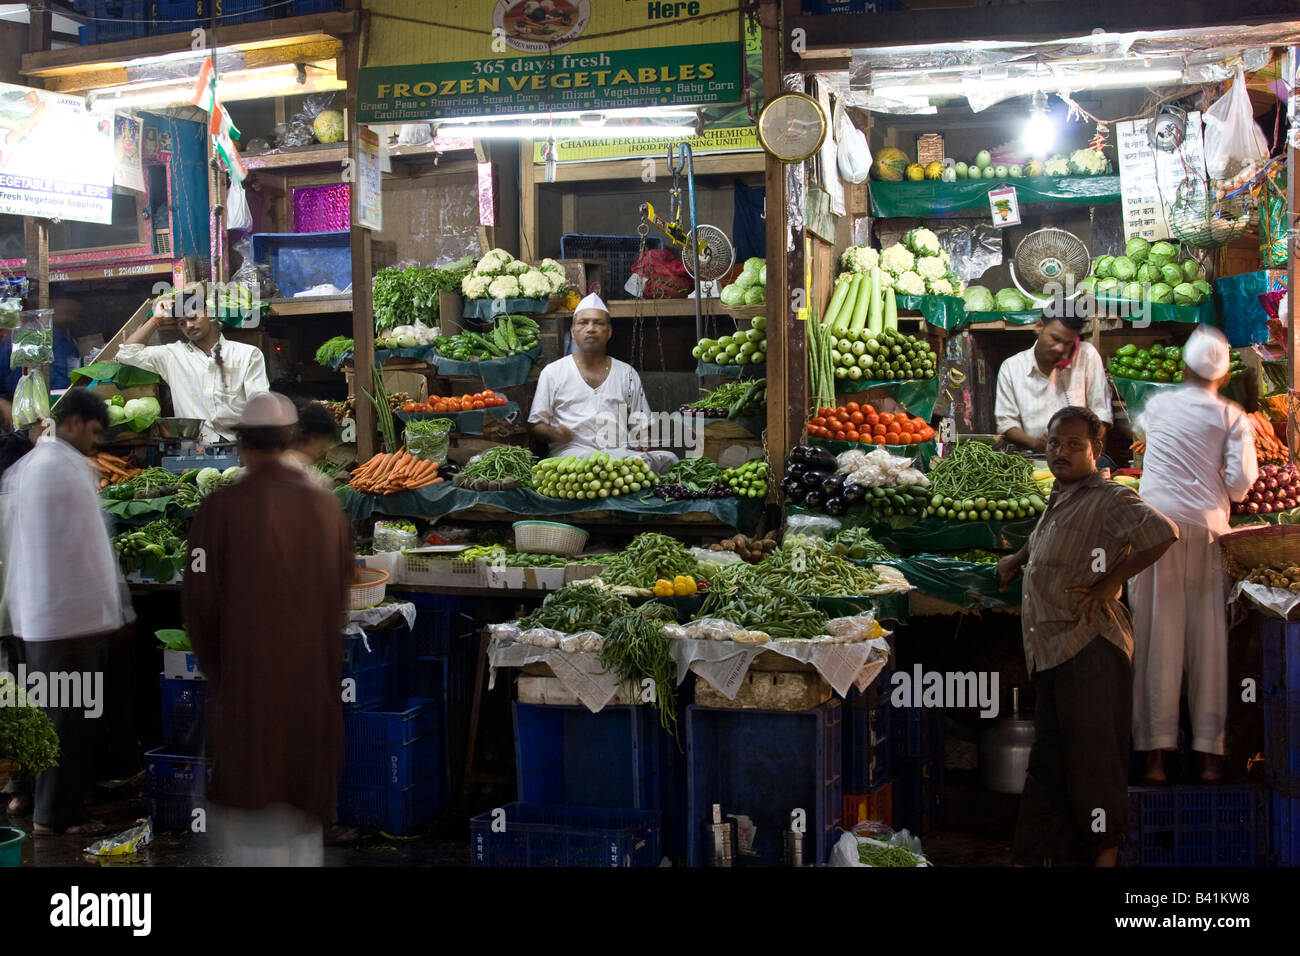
(1039, 133)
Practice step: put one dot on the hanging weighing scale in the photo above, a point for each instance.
(707, 253)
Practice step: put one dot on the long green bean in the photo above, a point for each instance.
(649, 557)
(503, 461)
(974, 469)
(636, 650)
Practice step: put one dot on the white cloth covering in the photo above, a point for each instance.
(1028, 399)
(1200, 456)
(602, 418)
(1179, 607)
(62, 576)
(198, 390)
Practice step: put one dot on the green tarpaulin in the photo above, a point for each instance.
(1140, 313)
(944, 311)
(917, 395)
(934, 199)
(938, 534)
(887, 607)
(959, 582)
(495, 373)
(437, 500)
(1011, 318)
(123, 376)
(464, 423)
(490, 308)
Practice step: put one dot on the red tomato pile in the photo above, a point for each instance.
(862, 424)
(463, 403)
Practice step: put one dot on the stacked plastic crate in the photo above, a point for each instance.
(177, 773)
(868, 786)
(1280, 687)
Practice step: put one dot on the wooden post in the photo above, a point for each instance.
(787, 390)
(363, 323)
(528, 250)
(36, 237)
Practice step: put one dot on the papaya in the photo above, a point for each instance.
(890, 165)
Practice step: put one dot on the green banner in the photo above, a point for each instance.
(917, 395)
(934, 199)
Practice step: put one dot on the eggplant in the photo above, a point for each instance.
(796, 469)
(448, 468)
(853, 493)
(813, 479)
(822, 458)
(836, 506)
(799, 454)
(790, 485)
(814, 499)
(833, 485)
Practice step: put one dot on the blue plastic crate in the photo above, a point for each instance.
(765, 764)
(175, 786)
(397, 812)
(542, 835)
(617, 253)
(449, 680)
(568, 755)
(1279, 646)
(301, 260)
(918, 796)
(115, 21)
(443, 626)
(1284, 845)
(1282, 745)
(1196, 826)
(371, 662)
(230, 12)
(867, 742)
(394, 748)
(184, 703)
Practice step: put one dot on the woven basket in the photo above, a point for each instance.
(549, 537)
(368, 590)
(745, 311)
(1274, 546)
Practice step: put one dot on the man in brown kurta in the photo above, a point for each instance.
(264, 610)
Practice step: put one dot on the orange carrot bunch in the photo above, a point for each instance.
(387, 474)
(1267, 446)
(113, 469)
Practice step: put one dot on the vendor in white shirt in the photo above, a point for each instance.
(589, 401)
(1059, 370)
(210, 377)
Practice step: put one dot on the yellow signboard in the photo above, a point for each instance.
(739, 140)
(514, 57)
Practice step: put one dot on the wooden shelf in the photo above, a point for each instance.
(661, 308)
(331, 155)
(313, 305)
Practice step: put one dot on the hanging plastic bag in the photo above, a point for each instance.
(11, 311)
(1232, 138)
(853, 155)
(31, 404)
(239, 218)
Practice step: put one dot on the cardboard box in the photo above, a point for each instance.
(415, 384)
(181, 665)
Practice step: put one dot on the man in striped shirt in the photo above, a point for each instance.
(1094, 535)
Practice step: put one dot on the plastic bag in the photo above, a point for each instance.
(1272, 225)
(711, 629)
(390, 536)
(300, 130)
(239, 218)
(853, 155)
(541, 637)
(819, 526)
(251, 274)
(505, 633)
(860, 627)
(32, 347)
(415, 134)
(876, 837)
(665, 275)
(1232, 138)
(125, 843)
(31, 402)
(11, 311)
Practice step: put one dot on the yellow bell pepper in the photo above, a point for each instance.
(663, 588)
(684, 585)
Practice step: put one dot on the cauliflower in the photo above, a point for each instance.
(494, 263)
(550, 265)
(517, 267)
(859, 259)
(954, 280)
(1088, 162)
(923, 242)
(931, 267)
(504, 287)
(475, 286)
(897, 259)
(559, 282)
(940, 286)
(909, 283)
(535, 284)
(1057, 166)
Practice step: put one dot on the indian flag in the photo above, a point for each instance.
(220, 126)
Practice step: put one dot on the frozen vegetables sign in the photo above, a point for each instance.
(56, 157)
(517, 57)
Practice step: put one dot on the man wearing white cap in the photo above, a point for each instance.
(1200, 456)
(264, 601)
(587, 401)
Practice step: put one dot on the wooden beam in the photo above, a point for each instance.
(527, 204)
(1037, 21)
(363, 322)
(40, 27)
(36, 239)
(710, 164)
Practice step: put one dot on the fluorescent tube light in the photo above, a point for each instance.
(522, 131)
(897, 86)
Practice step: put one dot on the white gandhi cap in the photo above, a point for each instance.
(1206, 353)
(268, 410)
(592, 301)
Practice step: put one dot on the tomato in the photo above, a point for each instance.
(906, 428)
(841, 412)
(409, 406)
(891, 438)
(852, 407)
(857, 418)
(818, 421)
(878, 429)
(477, 404)
(825, 411)
(851, 436)
(873, 419)
(879, 440)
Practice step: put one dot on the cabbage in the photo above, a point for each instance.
(1105, 285)
(1101, 268)
(762, 275)
(1161, 292)
(1163, 253)
(754, 295)
(1148, 273)
(1137, 249)
(1203, 287)
(1124, 269)
(733, 295)
(744, 280)
(1132, 290)
(1185, 294)
(979, 299)
(142, 408)
(230, 472)
(207, 479)
(1089, 285)
(752, 265)
(1010, 300)
(116, 415)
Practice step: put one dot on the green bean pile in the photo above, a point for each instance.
(857, 544)
(649, 557)
(636, 650)
(501, 462)
(697, 474)
(579, 607)
(976, 470)
(809, 566)
(776, 612)
(874, 855)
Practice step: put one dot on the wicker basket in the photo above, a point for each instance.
(368, 589)
(1274, 546)
(549, 537)
(745, 311)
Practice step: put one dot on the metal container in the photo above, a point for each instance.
(179, 429)
(1004, 750)
(793, 848)
(722, 834)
